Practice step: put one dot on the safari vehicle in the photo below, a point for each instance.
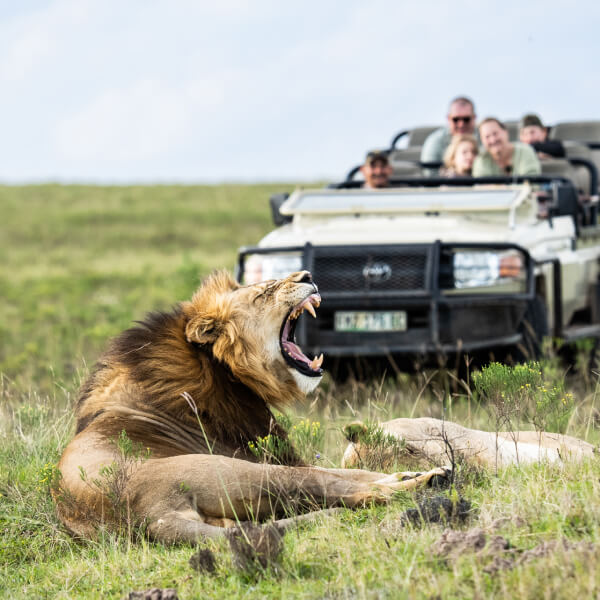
(439, 266)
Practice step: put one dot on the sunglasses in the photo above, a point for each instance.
(457, 120)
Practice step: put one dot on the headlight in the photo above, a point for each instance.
(260, 267)
(480, 269)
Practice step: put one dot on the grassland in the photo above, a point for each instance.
(78, 264)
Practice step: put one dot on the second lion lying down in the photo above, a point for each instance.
(190, 389)
(427, 441)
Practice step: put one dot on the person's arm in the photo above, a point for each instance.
(528, 163)
(553, 148)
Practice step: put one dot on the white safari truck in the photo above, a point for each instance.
(436, 266)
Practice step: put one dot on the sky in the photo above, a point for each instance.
(152, 91)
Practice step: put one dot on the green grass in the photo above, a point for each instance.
(79, 263)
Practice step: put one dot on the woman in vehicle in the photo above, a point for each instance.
(502, 157)
(459, 156)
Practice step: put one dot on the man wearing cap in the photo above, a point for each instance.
(376, 170)
(461, 121)
(533, 132)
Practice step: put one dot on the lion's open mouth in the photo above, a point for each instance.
(290, 350)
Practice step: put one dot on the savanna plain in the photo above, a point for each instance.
(78, 264)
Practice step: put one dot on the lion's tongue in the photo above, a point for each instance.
(294, 351)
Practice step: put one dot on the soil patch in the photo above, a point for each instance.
(496, 552)
(438, 510)
(255, 547)
(203, 561)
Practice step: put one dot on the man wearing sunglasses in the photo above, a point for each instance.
(461, 121)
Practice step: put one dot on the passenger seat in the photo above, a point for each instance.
(580, 176)
(587, 133)
(410, 146)
(512, 127)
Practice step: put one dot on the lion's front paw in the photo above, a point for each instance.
(438, 477)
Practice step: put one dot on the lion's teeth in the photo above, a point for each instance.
(310, 309)
(316, 362)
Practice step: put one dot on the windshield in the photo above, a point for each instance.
(405, 200)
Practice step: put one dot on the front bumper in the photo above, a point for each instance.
(439, 321)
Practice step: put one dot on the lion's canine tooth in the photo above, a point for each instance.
(310, 309)
(316, 362)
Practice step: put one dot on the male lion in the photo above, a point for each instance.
(192, 388)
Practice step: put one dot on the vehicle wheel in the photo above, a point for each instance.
(534, 328)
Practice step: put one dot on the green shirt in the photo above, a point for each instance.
(524, 162)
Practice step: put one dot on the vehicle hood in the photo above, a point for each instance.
(351, 217)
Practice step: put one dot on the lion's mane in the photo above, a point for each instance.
(187, 381)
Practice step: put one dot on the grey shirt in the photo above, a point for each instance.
(435, 145)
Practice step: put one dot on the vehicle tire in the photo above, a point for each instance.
(533, 328)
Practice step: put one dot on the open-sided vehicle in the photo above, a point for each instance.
(438, 266)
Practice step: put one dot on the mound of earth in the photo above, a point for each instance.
(254, 547)
(497, 552)
(438, 510)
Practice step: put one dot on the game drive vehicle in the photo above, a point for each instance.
(439, 266)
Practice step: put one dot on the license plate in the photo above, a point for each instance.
(370, 321)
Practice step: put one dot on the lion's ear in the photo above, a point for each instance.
(203, 329)
(210, 308)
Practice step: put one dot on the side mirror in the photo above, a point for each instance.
(276, 200)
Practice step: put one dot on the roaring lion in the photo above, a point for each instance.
(428, 441)
(164, 422)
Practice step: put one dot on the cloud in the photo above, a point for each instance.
(147, 119)
(102, 90)
(33, 39)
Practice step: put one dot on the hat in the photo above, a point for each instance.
(376, 155)
(530, 120)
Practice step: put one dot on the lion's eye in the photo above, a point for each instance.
(264, 290)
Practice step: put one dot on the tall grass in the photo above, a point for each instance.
(78, 264)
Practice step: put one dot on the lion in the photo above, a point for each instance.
(428, 441)
(165, 421)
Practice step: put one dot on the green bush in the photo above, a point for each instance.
(522, 394)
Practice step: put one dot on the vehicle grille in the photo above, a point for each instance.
(363, 270)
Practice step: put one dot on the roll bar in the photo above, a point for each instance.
(454, 181)
(397, 137)
(575, 161)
